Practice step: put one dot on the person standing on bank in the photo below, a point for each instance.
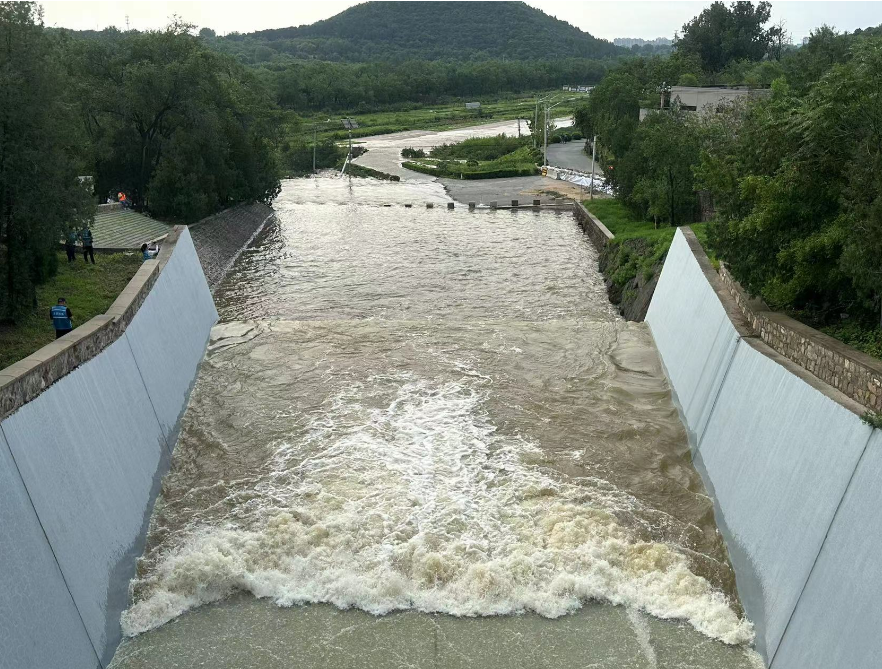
(70, 246)
(62, 318)
(88, 251)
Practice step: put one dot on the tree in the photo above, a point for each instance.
(796, 180)
(665, 150)
(183, 130)
(40, 195)
(720, 34)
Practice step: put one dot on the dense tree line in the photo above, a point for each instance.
(178, 127)
(314, 85)
(795, 176)
(41, 155)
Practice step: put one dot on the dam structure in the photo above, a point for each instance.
(419, 437)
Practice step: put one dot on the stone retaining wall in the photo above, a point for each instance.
(219, 239)
(597, 232)
(855, 374)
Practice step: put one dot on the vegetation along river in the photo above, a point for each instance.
(424, 438)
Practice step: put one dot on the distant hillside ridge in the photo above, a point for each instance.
(383, 31)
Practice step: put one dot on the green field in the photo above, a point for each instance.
(446, 116)
(89, 291)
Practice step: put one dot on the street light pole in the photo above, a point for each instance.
(545, 141)
(535, 122)
(593, 158)
(313, 146)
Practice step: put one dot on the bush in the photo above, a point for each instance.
(480, 148)
(412, 153)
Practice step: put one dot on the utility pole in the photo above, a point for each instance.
(545, 141)
(593, 158)
(535, 122)
(313, 146)
(519, 127)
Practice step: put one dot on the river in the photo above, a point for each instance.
(424, 438)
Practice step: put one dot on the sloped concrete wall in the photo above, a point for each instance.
(694, 335)
(791, 468)
(838, 618)
(87, 456)
(36, 606)
(168, 343)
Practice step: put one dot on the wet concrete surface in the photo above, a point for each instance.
(570, 155)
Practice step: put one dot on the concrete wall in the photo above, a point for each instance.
(792, 469)
(81, 463)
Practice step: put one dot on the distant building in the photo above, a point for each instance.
(704, 99)
(628, 42)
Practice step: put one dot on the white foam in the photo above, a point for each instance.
(422, 504)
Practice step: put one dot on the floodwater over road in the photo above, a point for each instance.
(423, 438)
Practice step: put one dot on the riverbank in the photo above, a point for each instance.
(89, 291)
(632, 261)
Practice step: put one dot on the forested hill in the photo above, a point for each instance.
(378, 31)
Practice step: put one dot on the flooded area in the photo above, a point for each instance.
(424, 438)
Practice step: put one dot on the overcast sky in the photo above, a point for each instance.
(646, 19)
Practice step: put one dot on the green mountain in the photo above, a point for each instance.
(396, 31)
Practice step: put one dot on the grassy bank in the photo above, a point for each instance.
(639, 247)
(89, 291)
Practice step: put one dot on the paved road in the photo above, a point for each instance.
(570, 155)
(503, 191)
(384, 151)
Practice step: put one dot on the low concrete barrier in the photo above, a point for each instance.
(791, 468)
(597, 232)
(88, 429)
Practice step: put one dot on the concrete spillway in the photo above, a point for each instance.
(792, 469)
(80, 467)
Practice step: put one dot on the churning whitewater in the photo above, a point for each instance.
(430, 410)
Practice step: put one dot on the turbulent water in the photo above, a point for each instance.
(411, 408)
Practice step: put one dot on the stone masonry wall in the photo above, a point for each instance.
(220, 238)
(853, 373)
(597, 232)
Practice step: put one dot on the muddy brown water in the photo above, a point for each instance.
(423, 437)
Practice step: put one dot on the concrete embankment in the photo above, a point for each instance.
(88, 426)
(793, 471)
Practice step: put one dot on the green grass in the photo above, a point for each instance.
(89, 291)
(624, 225)
(521, 162)
(638, 246)
(862, 337)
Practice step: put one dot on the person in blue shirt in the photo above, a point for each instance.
(147, 253)
(70, 246)
(88, 251)
(62, 318)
